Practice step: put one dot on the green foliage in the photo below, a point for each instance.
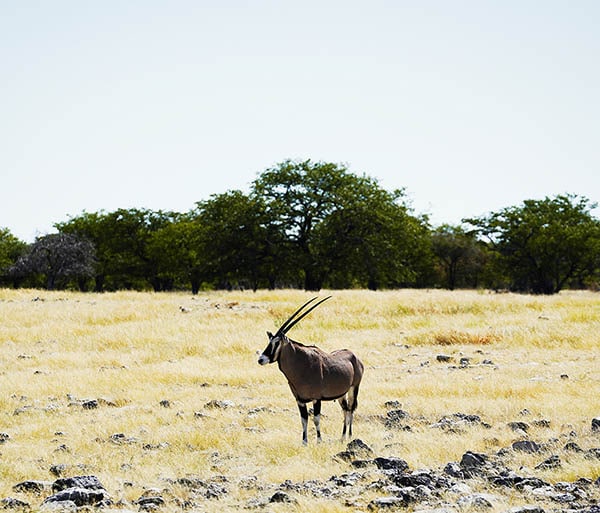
(460, 256)
(339, 228)
(543, 245)
(233, 238)
(311, 225)
(11, 248)
(122, 240)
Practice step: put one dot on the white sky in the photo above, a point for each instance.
(471, 106)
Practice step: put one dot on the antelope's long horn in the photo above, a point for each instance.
(289, 325)
(284, 326)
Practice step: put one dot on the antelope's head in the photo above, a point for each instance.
(273, 349)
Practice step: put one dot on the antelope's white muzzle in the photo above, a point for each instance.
(263, 360)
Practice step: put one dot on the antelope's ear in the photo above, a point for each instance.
(270, 335)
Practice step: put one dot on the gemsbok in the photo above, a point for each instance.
(313, 374)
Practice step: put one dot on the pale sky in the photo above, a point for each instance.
(471, 106)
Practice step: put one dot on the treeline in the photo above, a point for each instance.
(312, 225)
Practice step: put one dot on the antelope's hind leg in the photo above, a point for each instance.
(317, 418)
(349, 403)
(304, 417)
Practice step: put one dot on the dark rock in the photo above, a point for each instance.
(87, 482)
(150, 502)
(526, 446)
(596, 424)
(464, 361)
(346, 479)
(215, 491)
(453, 469)
(395, 418)
(509, 479)
(541, 423)
(91, 404)
(388, 502)
(526, 509)
(456, 421)
(359, 448)
(393, 404)
(345, 456)
(4, 437)
(58, 470)
(10, 503)
(550, 463)
(282, 497)
(32, 486)
(477, 502)
(362, 463)
(531, 482)
(415, 479)
(443, 358)
(165, 403)
(593, 453)
(217, 404)
(392, 463)
(572, 447)
(519, 426)
(471, 460)
(80, 496)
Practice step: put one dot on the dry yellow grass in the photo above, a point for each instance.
(130, 351)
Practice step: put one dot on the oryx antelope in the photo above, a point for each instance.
(314, 375)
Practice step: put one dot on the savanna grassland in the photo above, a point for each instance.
(143, 389)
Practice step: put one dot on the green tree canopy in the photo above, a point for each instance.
(330, 223)
(543, 244)
(11, 248)
(459, 254)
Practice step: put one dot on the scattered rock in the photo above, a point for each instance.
(14, 504)
(359, 449)
(87, 482)
(388, 502)
(596, 424)
(526, 446)
(526, 509)
(550, 463)
(282, 497)
(4, 437)
(394, 419)
(519, 426)
(80, 496)
(32, 486)
(90, 404)
(219, 404)
(392, 463)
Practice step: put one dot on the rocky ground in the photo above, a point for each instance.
(478, 482)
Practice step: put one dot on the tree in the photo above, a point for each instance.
(234, 240)
(59, 258)
(543, 244)
(459, 254)
(328, 223)
(297, 197)
(11, 248)
(373, 240)
(176, 248)
(121, 239)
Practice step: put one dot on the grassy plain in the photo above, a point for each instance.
(154, 363)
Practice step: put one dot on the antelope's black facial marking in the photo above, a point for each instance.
(271, 352)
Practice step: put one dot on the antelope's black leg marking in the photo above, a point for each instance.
(304, 415)
(317, 418)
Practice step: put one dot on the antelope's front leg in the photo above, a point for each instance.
(304, 416)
